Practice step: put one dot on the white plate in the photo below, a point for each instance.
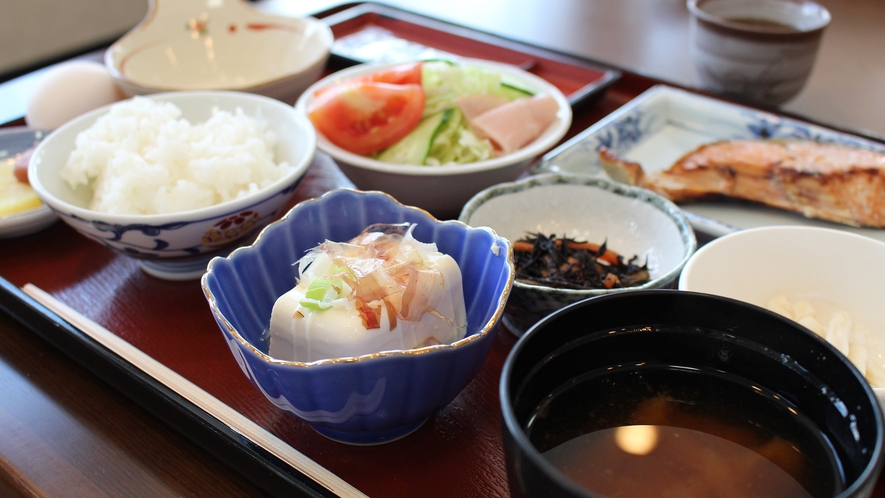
(15, 141)
(663, 123)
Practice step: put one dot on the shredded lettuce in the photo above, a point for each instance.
(444, 81)
(457, 144)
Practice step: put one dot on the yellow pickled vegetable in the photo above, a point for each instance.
(15, 196)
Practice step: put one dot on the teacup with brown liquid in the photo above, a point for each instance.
(761, 51)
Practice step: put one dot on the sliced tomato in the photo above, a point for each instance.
(367, 117)
(402, 74)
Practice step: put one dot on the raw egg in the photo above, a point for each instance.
(68, 90)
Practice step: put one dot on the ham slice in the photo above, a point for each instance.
(21, 165)
(472, 106)
(516, 124)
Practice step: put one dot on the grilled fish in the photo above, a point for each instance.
(826, 181)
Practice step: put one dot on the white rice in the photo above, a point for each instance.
(143, 158)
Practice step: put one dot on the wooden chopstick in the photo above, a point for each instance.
(196, 395)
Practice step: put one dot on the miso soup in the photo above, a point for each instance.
(663, 430)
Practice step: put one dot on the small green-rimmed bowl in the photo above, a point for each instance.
(630, 220)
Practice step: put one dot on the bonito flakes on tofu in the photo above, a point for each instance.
(380, 291)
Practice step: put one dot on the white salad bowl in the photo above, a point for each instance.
(178, 245)
(833, 270)
(228, 45)
(631, 221)
(442, 190)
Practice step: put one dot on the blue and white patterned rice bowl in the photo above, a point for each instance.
(632, 221)
(178, 246)
(374, 398)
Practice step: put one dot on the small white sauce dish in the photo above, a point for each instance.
(220, 45)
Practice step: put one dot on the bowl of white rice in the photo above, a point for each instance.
(174, 179)
(829, 280)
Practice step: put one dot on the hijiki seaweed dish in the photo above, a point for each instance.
(570, 264)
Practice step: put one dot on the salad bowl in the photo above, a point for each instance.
(442, 190)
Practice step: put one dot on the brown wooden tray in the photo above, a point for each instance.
(457, 452)
(171, 322)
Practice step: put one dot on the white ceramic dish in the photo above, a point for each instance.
(632, 221)
(832, 269)
(226, 45)
(442, 190)
(14, 141)
(663, 123)
(178, 246)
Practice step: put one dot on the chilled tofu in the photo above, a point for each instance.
(335, 319)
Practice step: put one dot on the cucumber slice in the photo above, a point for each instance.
(444, 61)
(513, 92)
(415, 146)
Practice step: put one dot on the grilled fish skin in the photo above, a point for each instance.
(818, 180)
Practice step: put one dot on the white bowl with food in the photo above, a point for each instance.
(227, 45)
(21, 210)
(827, 279)
(174, 179)
(432, 134)
(618, 239)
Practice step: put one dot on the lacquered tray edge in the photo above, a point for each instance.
(585, 95)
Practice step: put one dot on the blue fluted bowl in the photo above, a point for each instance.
(374, 398)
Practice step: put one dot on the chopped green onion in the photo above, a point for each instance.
(313, 304)
(321, 292)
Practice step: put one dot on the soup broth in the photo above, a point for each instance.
(665, 430)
